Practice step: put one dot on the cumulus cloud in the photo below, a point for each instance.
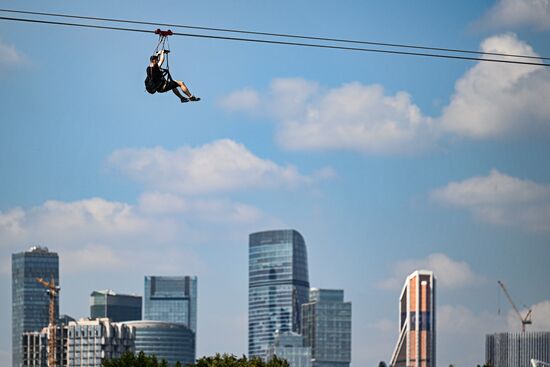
(102, 234)
(353, 116)
(500, 199)
(241, 100)
(518, 13)
(491, 100)
(9, 56)
(494, 100)
(222, 165)
(451, 274)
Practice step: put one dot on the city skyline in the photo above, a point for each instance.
(385, 163)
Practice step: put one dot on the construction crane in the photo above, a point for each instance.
(52, 291)
(536, 363)
(524, 320)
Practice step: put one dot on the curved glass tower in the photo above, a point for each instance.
(166, 340)
(278, 284)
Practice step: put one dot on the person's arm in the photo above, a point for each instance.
(161, 59)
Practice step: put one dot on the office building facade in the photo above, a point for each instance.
(517, 349)
(171, 299)
(90, 342)
(326, 327)
(117, 307)
(30, 303)
(170, 341)
(290, 347)
(416, 343)
(278, 286)
(35, 347)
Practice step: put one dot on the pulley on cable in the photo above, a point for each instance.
(159, 79)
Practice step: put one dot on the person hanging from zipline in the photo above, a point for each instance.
(159, 79)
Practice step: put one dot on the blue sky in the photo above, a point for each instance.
(384, 163)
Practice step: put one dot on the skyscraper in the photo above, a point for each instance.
(326, 327)
(171, 299)
(416, 344)
(517, 349)
(117, 307)
(278, 284)
(30, 303)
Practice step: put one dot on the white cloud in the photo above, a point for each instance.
(450, 274)
(9, 56)
(500, 199)
(494, 100)
(101, 234)
(491, 100)
(518, 13)
(241, 100)
(353, 116)
(222, 165)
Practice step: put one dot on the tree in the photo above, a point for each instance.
(219, 360)
(131, 360)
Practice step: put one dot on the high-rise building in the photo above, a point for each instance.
(117, 307)
(166, 340)
(171, 299)
(82, 343)
(278, 284)
(326, 327)
(416, 344)
(30, 303)
(517, 349)
(35, 347)
(290, 347)
(90, 342)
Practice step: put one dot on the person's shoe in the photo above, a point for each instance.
(184, 99)
(194, 99)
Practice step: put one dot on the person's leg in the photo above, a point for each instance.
(177, 93)
(184, 88)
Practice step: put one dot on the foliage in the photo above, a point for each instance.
(228, 360)
(219, 360)
(131, 360)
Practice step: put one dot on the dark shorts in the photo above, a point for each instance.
(167, 86)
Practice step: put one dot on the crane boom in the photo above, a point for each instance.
(53, 291)
(524, 320)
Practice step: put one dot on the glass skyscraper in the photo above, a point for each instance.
(117, 307)
(326, 327)
(278, 284)
(170, 341)
(30, 303)
(171, 299)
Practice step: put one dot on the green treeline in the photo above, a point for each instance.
(225, 360)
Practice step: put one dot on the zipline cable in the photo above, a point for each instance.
(278, 42)
(340, 40)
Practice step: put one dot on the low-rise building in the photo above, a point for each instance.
(290, 346)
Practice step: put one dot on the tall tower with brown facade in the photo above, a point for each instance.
(416, 344)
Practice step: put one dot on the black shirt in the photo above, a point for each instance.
(155, 74)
